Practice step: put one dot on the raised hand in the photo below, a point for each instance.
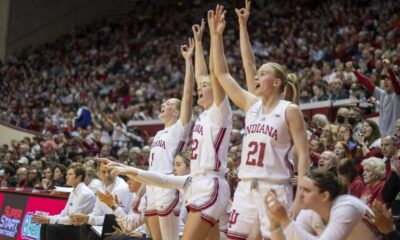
(187, 50)
(216, 20)
(243, 13)
(198, 31)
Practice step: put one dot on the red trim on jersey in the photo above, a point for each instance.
(210, 202)
(217, 145)
(171, 207)
(150, 213)
(208, 219)
(177, 213)
(180, 147)
(236, 235)
(288, 163)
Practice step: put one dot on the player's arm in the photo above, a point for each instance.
(298, 130)
(187, 98)
(239, 96)
(199, 60)
(145, 177)
(218, 92)
(248, 58)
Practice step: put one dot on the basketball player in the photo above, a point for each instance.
(272, 127)
(327, 213)
(162, 210)
(207, 192)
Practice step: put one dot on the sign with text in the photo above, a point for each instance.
(16, 211)
(38, 205)
(11, 215)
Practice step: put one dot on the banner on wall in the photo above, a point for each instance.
(35, 205)
(16, 211)
(11, 215)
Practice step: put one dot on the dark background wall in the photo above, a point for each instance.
(33, 22)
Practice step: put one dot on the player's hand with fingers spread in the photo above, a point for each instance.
(198, 31)
(243, 13)
(382, 219)
(187, 50)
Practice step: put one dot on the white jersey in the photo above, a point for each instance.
(266, 144)
(210, 140)
(166, 144)
(346, 221)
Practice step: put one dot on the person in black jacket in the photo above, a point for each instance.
(9, 176)
(391, 190)
(338, 92)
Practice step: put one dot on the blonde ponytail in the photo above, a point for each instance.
(292, 88)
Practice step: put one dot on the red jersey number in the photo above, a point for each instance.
(256, 149)
(195, 145)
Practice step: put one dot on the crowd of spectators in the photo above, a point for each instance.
(127, 66)
(82, 91)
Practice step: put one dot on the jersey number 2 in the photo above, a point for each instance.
(256, 147)
(195, 145)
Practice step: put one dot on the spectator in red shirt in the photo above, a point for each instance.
(374, 175)
(316, 147)
(348, 176)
